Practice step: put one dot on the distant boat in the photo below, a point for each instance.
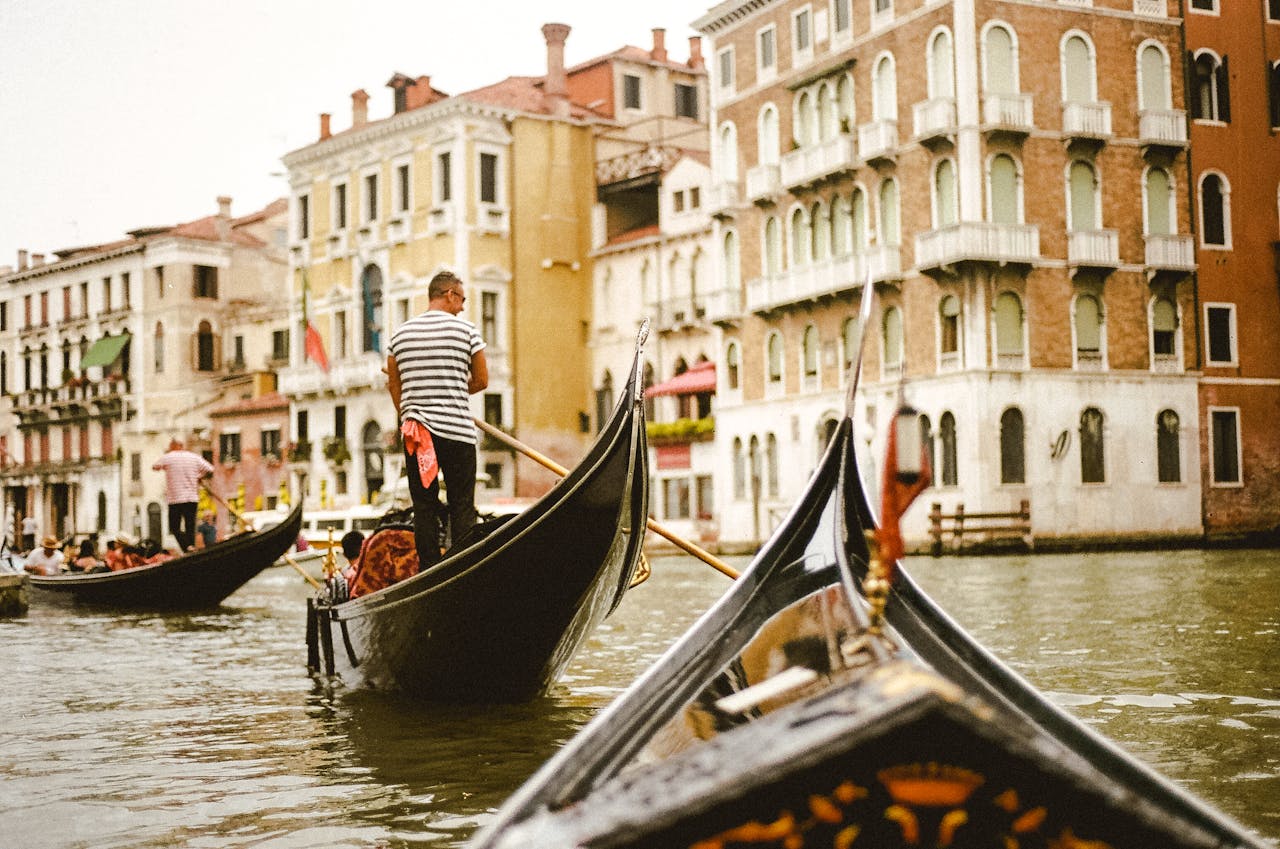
(501, 618)
(196, 580)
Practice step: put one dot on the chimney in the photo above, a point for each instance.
(324, 126)
(22, 260)
(223, 222)
(695, 52)
(37, 260)
(555, 89)
(659, 52)
(359, 108)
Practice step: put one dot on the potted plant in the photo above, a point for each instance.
(336, 451)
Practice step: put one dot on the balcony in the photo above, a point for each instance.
(1151, 8)
(934, 120)
(813, 164)
(345, 375)
(493, 218)
(977, 241)
(807, 283)
(724, 306)
(763, 183)
(1170, 254)
(1093, 249)
(723, 199)
(1007, 114)
(1086, 122)
(878, 141)
(440, 220)
(1162, 130)
(398, 229)
(683, 313)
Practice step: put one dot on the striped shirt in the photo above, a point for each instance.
(433, 352)
(182, 473)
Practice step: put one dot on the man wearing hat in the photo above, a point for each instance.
(47, 559)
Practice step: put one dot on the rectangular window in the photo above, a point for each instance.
(304, 216)
(883, 5)
(842, 14)
(1225, 433)
(340, 334)
(767, 49)
(370, 197)
(44, 308)
(301, 428)
(686, 101)
(444, 177)
(706, 496)
(493, 471)
(1205, 5)
(488, 178)
(489, 317)
(630, 91)
(675, 498)
(237, 351)
(205, 281)
(135, 466)
(1273, 10)
(280, 345)
(66, 302)
(1220, 321)
(228, 448)
(340, 206)
(26, 311)
(802, 27)
(340, 421)
(725, 68)
(677, 201)
(493, 408)
(270, 443)
(1273, 92)
(402, 188)
(695, 197)
(402, 311)
(106, 294)
(124, 289)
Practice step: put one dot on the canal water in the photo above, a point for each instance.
(204, 730)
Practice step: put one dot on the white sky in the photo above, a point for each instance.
(119, 114)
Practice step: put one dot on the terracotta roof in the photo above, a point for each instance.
(522, 93)
(697, 380)
(268, 401)
(636, 234)
(632, 53)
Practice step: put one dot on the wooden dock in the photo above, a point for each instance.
(13, 595)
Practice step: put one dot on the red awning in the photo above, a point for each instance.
(697, 380)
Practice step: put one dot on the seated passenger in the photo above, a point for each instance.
(124, 554)
(389, 556)
(47, 559)
(352, 541)
(87, 558)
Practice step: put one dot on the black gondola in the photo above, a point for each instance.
(783, 718)
(500, 619)
(196, 580)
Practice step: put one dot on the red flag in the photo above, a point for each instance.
(312, 344)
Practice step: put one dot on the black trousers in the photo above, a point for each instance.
(182, 523)
(458, 468)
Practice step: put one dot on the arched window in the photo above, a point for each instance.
(371, 308)
(159, 349)
(1168, 454)
(771, 463)
(848, 342)
(772, 247)
(805, 120)
(769, 146)
(1083, 191)
(844, 102)
(944, 194)
(732, 267)
(753, 466)
(1158, 203)
(1092, 463)
(1088, 326)
(1013, 463)
(1215, 217)
(1210, 94)
(999, 64)
(739, 470)
(947, 427)
(102, 511)
(1003, 180)
(884, 101)
(820, 228)
(858, 212)
(801, 241)
(890, 232)
(604, 400)
(891, 336)
(841, 227)
(1009, 325)
(828, 117)
(1153, 68)
(1078, 78)
(826, 432)
(809, 352)
(650, 403)
(773, 365)
(728, 152)
(205, 348)
(941, 66)
(930, 449)
(731, 365)
(949, 326)
(1164, 329)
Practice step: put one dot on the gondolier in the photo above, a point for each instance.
(183, 471)
(435, 362)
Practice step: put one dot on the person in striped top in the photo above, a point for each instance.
(435, 362)
(183, 471)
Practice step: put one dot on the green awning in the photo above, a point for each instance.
(105, 350)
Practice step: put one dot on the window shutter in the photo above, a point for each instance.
(1223, 78)
(217, 352)
(1273, 92)
(1189, 80)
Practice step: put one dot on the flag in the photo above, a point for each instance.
(312, 344)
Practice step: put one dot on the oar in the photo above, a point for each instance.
(240, 522)
(303, 572)
(703, 555)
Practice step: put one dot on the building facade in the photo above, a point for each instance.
(1012, 180)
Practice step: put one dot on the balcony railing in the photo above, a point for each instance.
(1151, 8)
(817, 162)
(344, 375)
(1093, 248)
(724, 305)
(1171, 252)
(1163, 128)
(763, 183)
(809, 282)
(440, 219)
(723, 197)
(679, 313)
(1087, 120)
(978, 241)
(934, 118)
(1007, 112)
(878, 140)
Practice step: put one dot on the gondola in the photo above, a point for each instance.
(196, 580)
(499, 619)
(797, 713)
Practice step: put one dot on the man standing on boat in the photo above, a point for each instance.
(434, 363)
(183, 471)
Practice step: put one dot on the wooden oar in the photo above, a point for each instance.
(702, 554)
(240, 522)
(303, 572)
